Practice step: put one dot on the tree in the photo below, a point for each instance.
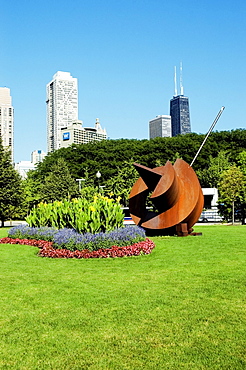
(120, 185)
(59, 184)
(32, 190)
(242, 161)
(11, 189)
(231, 188)
(242, 164)
(210, 177)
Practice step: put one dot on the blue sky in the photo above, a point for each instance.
(123, 54)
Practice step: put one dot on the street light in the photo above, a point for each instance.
(98, 175)
(79, 180)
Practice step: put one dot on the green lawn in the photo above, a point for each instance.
(181, 307)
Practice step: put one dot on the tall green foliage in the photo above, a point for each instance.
(242, 161)
(11, 189)
(242, 165)
(101, 214)
(231, 188)
(32, 190)
(210, 177)
(119, 186)
(59, 184)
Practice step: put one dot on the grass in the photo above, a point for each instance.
(181, 307)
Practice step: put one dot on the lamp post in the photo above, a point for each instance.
(79, 181)
(101, 187)
(98, 175)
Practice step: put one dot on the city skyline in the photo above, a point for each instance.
(123, 56)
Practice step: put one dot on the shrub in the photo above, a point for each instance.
(100, 215)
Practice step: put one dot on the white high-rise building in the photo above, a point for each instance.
(23, 167)
(77, 134)
(62, 106)
(160, 127)
(7, 120)
(37, 156)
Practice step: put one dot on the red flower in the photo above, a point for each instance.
(47, 250)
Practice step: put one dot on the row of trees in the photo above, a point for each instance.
(107, 156)
(222, 159)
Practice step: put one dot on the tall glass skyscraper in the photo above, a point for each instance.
(180, 115)
(62, 106)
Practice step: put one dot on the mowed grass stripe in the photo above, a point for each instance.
(182, 306)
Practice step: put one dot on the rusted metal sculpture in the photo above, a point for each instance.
(176, 195)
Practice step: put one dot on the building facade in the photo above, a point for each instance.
(160, 127)
(77, 134)
(37, 156)
(62, 106)
(180, 115)
(7, 120)
(23, 167)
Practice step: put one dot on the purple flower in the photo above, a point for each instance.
(72, 240)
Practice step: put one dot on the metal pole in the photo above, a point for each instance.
(209, 132)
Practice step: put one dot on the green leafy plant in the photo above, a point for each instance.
(100, 215)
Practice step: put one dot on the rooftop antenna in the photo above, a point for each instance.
(209, 132)
(181, 80)
(175, 82)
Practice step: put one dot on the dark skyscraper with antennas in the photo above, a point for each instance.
(179, 110)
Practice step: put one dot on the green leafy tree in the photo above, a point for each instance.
(59, 184)
(119, 186)
(210, 177)
(231, 189)
(242, 161)
(11, 189)
(242, 164)
(32, 190)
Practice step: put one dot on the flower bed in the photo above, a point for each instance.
(72, 240)
(47, 250)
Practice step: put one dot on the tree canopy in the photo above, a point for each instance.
(231, 188)
(114, 159)
(11, 189)
(108, 155)
(58, 184)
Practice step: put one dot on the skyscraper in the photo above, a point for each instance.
(62, 106)
(180, 115)
(7, 119)
(179, 110)
(160, 127)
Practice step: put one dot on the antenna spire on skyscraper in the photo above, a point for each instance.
(181, 80)
(175, 82)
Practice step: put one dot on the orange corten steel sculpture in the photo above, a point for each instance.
(176, 195)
